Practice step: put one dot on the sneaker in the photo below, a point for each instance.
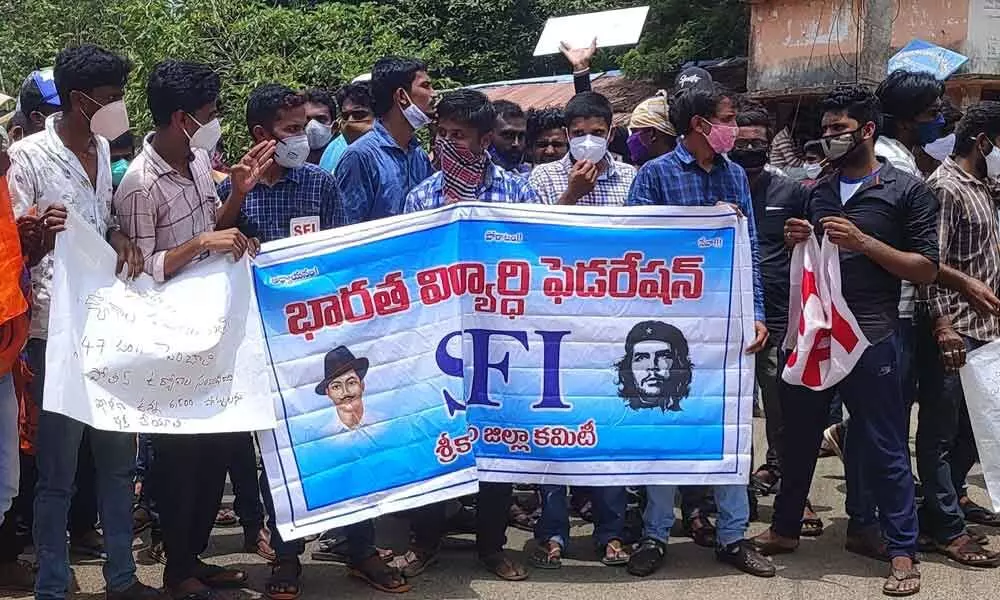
(744, 557)
(833, 440)
(90, 544)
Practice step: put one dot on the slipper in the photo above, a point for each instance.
(379, 575)
(980, 515)
(811, 526)
(765, 481)
(226, 517)
(547, 556)
(966, 553)
(215, 576)
(284, 582)
(897, 577)
(615, 555)
(503, 567)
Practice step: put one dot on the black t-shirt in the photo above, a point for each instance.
(776, 199)
(895, 208)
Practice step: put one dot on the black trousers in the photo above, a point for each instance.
(428, 523)
(191, 476)
(246, 490)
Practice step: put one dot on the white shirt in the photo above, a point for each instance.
(849, 188)
(43, 172)
(899, 156)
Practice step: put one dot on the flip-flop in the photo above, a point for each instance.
(980, 515)
(896, 578)
(495, 563)
(285, 581)
(619, 554)
(969, 548)
(546, 556)
(811, 526)
(379, 576)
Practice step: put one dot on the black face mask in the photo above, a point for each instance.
(750, 160)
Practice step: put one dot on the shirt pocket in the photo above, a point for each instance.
(772, 222)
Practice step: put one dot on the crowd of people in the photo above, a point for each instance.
(919, 252)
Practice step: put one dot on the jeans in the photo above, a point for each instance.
(609, 515)
(946, 450)
(731, 500)
(872, 392)
(767, 378)
(360, 536)
(57, 446)
(9, 459)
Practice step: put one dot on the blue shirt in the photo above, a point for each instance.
(500, 186)
(334, 151)
(675, 179)
(375, 174)
(301, 193)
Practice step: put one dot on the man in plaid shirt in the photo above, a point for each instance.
(465, 132)
(587, 175)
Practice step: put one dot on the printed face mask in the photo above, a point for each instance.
(292, 152)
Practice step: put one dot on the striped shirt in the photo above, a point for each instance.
(159, 209)
(611, 189)
(969, 237)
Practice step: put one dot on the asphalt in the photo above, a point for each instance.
(820, 569)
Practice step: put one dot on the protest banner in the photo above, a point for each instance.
(182, 357)
(981, 385)
(426, 352)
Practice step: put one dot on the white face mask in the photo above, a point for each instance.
(941, 148)
(207, 136)
(414, 116)
(993, 163)
(812, 170)
(111, 120)
(588, 147)
(292, 152)
(319, 134)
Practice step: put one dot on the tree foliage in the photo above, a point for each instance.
(326, 43)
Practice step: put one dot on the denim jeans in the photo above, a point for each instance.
(946, 450)
(731, 500)
(609, 515)
(57, 445)
(9, 459)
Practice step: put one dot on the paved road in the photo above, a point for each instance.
(819, 570)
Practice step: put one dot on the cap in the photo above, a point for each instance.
(653, 113)
(38, 88)
(692, 77)
(655, 331)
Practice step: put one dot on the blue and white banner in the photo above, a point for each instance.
(417, 355)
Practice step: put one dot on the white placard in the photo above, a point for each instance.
(981, 386)
(186, 356)
(610, 27)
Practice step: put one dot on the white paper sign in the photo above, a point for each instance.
(610, 27)
(182, 357)
(981, 385)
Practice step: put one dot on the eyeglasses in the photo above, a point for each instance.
(750, 145)
(360, 114)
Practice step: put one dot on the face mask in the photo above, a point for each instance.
(813, 170)
(319, 134)
(750, 160)
(929, 131)
(110, 121)
(207, 136)
(721, 138)
(588, 147)
(992, 162)
(118, 170)
(836, 147)
(414, 116)
(941, 148)
(292, 152)
(463, 169)
(637, 148)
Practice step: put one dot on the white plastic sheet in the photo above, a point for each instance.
(981, 384)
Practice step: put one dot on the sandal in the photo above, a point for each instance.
(418, 561)
(978, 536)
(615, 555)
(284, 582)
(701, 530)
(965, 551)
(647, 558)
(812, 525)
(215, 576)
(226, 517)
(895, 583)
(547, 556)
(504, 567)
(379, 575)
(519, 518)
(978, 514)
(769, 544)
(259, 544)
(142, 518)
(332, 549)
(765, 480)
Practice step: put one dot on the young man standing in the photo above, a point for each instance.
(356, 119)
(465, 131)
(587, 175)
(508, 149)
(545, 136)
(969, 238)
(167, 203)
(320, 109)
(884, 221)
(652, 133)
(698, 173)
(68, 165)
(377, 171)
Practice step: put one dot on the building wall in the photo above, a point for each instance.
(802, 44)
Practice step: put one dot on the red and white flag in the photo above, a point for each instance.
(823, 335)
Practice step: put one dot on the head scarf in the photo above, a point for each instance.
(653, 113)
